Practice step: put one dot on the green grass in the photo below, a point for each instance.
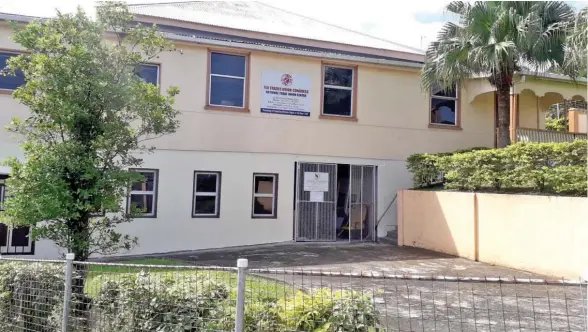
(256, 286)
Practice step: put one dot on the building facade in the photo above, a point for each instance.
(285, 136)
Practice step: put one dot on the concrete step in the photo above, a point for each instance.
(390, 238)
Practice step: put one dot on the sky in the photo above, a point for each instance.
(414, 23)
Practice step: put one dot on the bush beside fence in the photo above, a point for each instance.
(549, 168)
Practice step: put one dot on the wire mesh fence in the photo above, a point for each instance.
(100, 297)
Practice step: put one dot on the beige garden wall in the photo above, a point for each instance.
(541, 234)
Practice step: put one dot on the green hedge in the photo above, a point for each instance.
(550, 168)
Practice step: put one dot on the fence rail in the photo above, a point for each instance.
(58, 296)
(546, 136)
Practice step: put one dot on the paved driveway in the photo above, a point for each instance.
(416, 305)
(348, 257)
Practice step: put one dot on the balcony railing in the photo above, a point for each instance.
(546, 136)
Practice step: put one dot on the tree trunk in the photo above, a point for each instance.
(503, 102)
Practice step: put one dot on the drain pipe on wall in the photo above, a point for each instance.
(383, 214)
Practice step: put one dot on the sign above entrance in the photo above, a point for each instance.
(285, 93)
(314, 181)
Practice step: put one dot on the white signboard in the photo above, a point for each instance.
(317, 196)
(285, 93)
(314, 181)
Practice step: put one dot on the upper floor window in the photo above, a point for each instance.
(227, 80)
(149, 73)
(338, 91)
(142, 198)
(9, 82)
(444, 106)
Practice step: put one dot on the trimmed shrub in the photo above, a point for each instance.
(555, 168)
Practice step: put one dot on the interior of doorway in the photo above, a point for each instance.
(352, 223)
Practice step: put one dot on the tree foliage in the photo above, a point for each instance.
(495, 39)
(90, 119)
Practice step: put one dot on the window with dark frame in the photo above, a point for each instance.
(227, 81)
(143, 194)
(149, 73)
(338, 91)
(444, 106)
(9, 82)
(206, 200)
(265, 195)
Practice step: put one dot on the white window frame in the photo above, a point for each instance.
(454, 99)
(244, 78)
(338, 87)
(153, 192)
(273, 196)
(215, 194)
(158, 70)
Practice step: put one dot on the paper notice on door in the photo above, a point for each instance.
(314, 181)
(317, 196)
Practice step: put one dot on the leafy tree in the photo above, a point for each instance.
(495, 39)
(90, 116)
(577, 46)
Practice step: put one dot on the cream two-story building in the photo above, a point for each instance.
(291, 129)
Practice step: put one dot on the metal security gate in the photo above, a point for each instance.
(316, 202)
(362, 203)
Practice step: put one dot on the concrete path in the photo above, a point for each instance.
(348, 257)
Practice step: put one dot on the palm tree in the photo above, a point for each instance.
(495, 39)
(577, 46)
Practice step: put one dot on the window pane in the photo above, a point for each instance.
(3, 235)
(10, 82)
(337, 102)
(436, 90)
(264, 184)
(338, 76)
(226, 91)
(263, 205)
(148, 73)
(227, 64)
(142, 203)
(206, 183)
(20, 237)
(147, 185)
(443, 111)
(205, 205)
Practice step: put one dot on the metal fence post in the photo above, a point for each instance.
(67, 291)
(242, 264)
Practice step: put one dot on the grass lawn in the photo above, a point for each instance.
(164, 269)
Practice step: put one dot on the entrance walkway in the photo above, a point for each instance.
(348, 257)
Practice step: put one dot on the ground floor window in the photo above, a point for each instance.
(206, 201)
(265, 195)
(142, 200)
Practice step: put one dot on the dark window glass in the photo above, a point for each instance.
(20, 237)
(142, 203)
(338, 76)
(226, 91)
(3, 235)
(264, 184)
(263, 206)
(443, 111)
(227, 64)
(206, 183)
(205, 205)
(148, 183)
(149, 74)
(9, 82)
(337, 102)
(436, 90)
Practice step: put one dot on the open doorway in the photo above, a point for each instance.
(334, 202)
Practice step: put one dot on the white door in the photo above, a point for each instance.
(316, 202)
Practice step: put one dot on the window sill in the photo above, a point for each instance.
(226, 109)
(448, 127)
(340, 118)
(264, 217)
